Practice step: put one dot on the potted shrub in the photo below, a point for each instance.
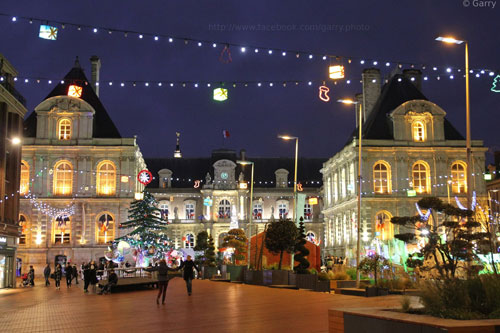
(373, 264)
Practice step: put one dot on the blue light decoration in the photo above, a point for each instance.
(207, 202)
(425, 216)
(496, 84)
(48, 32)
(473, 205)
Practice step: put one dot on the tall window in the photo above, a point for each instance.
(352, 179)
(458, 177)
(335, 188)
(307, 212)
(418, 131)
(189, 241)
(105, 228)
(384, 230)
(23, 223)
(257, 211)
(106, 178)
(64, 129)
(62, 230)
(343, 183)
(382, 178)
(282, 209)
(164, 210)
(63, 178)
(224, 209)
(25, 178)
(420, 177)
(190, 211)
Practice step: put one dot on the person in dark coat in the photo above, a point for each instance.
(90, 275)
(162, 270)
(74, 271)
(58, 276)
(69, 275)
(188, 273)
(31, 276)
(112, 281)
(46, 275)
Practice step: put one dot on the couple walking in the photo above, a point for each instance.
(188, 275)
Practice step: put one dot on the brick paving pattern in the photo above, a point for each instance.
(213, 307)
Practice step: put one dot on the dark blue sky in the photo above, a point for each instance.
(382, 30)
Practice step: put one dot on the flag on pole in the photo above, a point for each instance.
(225, 134)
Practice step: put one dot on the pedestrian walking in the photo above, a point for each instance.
(58, 276)
(188, 273)
(162, 275)
(69, 275)
(46, 275)
(90, 276)
(74, 270)
(31, 276)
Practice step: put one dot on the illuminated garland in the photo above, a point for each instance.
(224, 56)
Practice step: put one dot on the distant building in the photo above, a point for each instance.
(212, 194)
(78, 175)
(409, 150)
(12, 112)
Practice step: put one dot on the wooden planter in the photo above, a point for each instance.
(306, 281)
(376, 291)
(208, 272)
(323, 286)
(236, 273)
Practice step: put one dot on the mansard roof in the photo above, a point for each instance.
(378, 125)
(103, 126)
(186, 170)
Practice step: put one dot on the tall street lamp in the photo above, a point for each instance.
(250, 211)
(358, 234)
(451, 40)
(287, 137)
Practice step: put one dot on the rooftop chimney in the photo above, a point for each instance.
(415, 76)
(371, 90)
(243, 154)
(95, 77)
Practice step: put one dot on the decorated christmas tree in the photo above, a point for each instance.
(148, 237)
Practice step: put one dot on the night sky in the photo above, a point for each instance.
(381, 30)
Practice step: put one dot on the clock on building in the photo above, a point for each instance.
(224, 175)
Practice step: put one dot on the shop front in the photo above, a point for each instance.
(7, 262)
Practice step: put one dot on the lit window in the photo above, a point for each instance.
(62, 230)
(283, 209)
(190, 211)
(335, 188)
(420, 177)
(257, 211)
(189, 241)
(224, 209)
(418, 131)
(25, 178)
(458, 177)
(307, 212)
(382, 178)
(23, 223)
(105, 228)
(64, 129)
(106, 178)
(384, 230)
(164, 210)
(63, 178)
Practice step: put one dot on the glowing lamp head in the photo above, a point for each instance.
(449, 40)
(220, 94)
(347, 101)
(16, 141)
(75, 91)
(336, 72)
(287, 137)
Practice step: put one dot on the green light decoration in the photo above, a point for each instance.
(496, 84)
(220, 94)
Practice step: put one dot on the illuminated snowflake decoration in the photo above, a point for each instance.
(145, 177)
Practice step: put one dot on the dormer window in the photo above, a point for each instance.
(64, 129)
(418, 128)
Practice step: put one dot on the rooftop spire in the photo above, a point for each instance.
(177, 152)
(77, 63)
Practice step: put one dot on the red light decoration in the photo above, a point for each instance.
(196, 184)
(323, 93)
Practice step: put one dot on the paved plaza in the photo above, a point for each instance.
(213, 307)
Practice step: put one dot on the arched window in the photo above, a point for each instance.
(307, 212)
(418, 129)
(190, 210)
(105, 228)
(62, 230)
(420, 177)
(24, 185)
(189, 241)
(382, 178)
(23, 223)
(384, 230)
(164, 210)
(63, 178)
(106, 178)
(458, 177)
(257, 211)
(64, 129)
(310, 236)
(224, 209)
(282, 209)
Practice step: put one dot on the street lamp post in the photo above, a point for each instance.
(358, 234)
(287, 137)
(451, 40)
(250, 211)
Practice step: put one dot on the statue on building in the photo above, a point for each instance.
(241, 177)
(176, 213)
(208, 179)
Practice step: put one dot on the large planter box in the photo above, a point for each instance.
(276, 277)
(208, 272)
(236, 273)
(334, 284)
(258, 278)
(323, 286)
(376, 291)
(382, 321)
(292, 278)
(306, 281)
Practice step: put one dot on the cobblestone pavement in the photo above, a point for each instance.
(213, 307)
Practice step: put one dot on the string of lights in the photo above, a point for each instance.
(49, 29)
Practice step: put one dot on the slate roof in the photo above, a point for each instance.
(189, 169)
(378, 125)
(103, 126)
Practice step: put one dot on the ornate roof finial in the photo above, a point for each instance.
(77, 63)
(177, 152)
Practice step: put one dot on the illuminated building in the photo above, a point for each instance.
(409, 150)
(74, 159)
